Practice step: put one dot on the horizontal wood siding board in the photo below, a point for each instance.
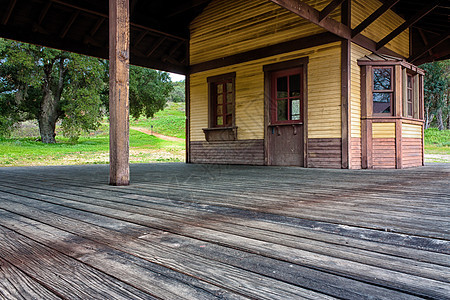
(324, 153)
(412, 152)
(383, 153)
(246, 152)
(298, 44)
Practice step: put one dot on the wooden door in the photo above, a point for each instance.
(285, 128)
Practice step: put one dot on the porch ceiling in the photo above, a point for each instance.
(160, 28)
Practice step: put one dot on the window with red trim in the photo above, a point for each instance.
(287, 96)
(222, 103)
(382, 90)
(221, 100)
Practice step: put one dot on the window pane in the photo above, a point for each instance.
(229, 87)
(410, 109)
(229, 108)
(220, 109)
(294, 85)
(295, 109)
(229, 98)
(381, 103)
(381, 79)
(219, 88)
(409, 82)
(282, 110)
(219, 99)
(282, 87)
(219, 121)
(229, 120)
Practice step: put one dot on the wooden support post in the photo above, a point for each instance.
(119, 49)
(345, 103)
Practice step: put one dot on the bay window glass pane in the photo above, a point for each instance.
(282, 87)
(382, 78)
(220, 110)
(219, 99)
(220, 121)
(382, 103)
(295, 109)
(294, 85)
(282, 110)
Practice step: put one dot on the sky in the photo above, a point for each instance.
(176, 77)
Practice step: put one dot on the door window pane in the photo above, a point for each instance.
(229, 98)
(295, 109)
(282, 110)
(219, 99)
(282, 87)
(229, 87)
(294, 85)
(229, 120)
(220, 121)
(219, 109)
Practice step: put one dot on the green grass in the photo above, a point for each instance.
(89, 150)
(171, 121)
(437, 142)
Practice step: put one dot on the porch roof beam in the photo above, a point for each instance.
(9, 11)
(374, 16)
(96, 13)
(429, 47)
(329, 9)
(407, 24)
(313, 15)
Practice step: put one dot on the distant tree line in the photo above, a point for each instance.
(53, 86)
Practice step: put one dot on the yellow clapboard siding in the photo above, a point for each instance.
(411, 131)
(381, 27)
(383, 130)
(229, 27)
(357, 52)
(323, 94)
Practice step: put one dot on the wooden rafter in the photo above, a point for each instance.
(92, 12)
(9, 11)
(425, 41)
(140, 38)
(329, 9)
(69, 24)
(311, 14)
(407, 24)
(375, 15)
(429, 47)
(156, 46)
(186, 6)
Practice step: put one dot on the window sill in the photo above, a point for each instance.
(218, 134)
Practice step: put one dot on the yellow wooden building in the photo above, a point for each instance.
(269, 87)
(313, 83)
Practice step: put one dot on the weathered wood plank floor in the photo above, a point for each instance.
(203, 232)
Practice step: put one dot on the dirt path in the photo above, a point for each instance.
(161, 136)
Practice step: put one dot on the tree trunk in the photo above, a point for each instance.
(48, 114)
(439, 119)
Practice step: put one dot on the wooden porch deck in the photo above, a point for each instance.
(205, 231)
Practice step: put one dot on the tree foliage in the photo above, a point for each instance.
(178, 92)
(148, 91)
(436, 90)
(49, 85)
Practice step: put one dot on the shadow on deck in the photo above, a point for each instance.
(207, 231)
